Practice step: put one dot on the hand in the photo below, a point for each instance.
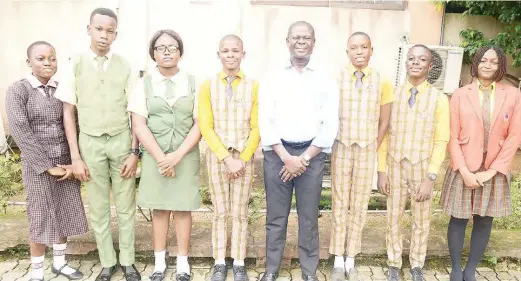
(168, 172)
(236, 167)
(485, 176)
(285, 175)
(170, 160)
(383, 183)
(295, 165)
(129, 167)
(424, 190)
(56, 171)
(80, 170)
(470, 180)
(68, 172)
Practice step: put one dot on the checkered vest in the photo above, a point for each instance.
(411, 130)
(231, 116)
(359, 109)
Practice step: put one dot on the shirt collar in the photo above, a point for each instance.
(311, 66)
(157, 77)
(35, 83)
(421, 88)
(366, 70)
(222, 75)
(481, 87)
(93, 55)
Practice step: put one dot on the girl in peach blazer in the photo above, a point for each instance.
(485, 134)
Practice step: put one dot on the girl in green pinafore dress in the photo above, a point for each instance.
(163, 107)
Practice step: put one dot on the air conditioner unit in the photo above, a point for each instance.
(446, 67)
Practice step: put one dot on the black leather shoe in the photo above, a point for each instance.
(268, 276)
(106, 273)
(158, 276)
(309, 278)
(219, 272)
(131, 273)
(182, 277)
(239, 273)
(76, 275)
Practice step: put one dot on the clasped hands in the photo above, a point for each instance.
(166, 165)
(474, 180)
(294, 166)
(236, 167)
(422, 193)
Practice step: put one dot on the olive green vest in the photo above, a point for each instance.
(171, 124)
(102, 97)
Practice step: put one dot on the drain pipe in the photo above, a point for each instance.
(442, 23)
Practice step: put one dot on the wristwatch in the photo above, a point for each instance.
(135, 151)
(432, 176)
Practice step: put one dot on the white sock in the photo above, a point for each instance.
(350, 263)
(339, 262)
(220, 262)
(59, 258)
(182, 265)
(37, 267)
(238, 262)
(160, 262)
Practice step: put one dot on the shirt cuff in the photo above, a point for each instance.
(322, 144)
(433, 169)
(222, 153)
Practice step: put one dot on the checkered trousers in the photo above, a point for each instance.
(229, 199)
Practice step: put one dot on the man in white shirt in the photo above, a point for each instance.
(298, 121)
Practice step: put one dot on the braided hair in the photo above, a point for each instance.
(502, 62)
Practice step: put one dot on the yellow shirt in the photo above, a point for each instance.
(387, 86)
(206, 119)
(492, 95)
(441, 133)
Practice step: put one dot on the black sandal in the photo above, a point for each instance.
(76, 275)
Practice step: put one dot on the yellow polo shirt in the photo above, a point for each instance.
(206, 122)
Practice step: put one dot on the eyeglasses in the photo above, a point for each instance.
(163, 48)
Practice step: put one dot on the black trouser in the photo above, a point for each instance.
(308, 189)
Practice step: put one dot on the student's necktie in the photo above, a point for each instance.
(359, 75)
(229, 88)
(412, 99)
(101, 62)
(169, 89)
(46, 90)
(486, 116)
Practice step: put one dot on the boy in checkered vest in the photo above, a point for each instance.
(365, 106)
(228, 118)
(413, 150)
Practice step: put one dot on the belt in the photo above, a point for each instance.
(297, 145)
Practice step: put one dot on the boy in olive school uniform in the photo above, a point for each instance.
(104, 154)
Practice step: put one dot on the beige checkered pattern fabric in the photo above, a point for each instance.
(405, 179)
(359, 109)
(417, 123)
(352, 169)
(232, 116)
(229, 199)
